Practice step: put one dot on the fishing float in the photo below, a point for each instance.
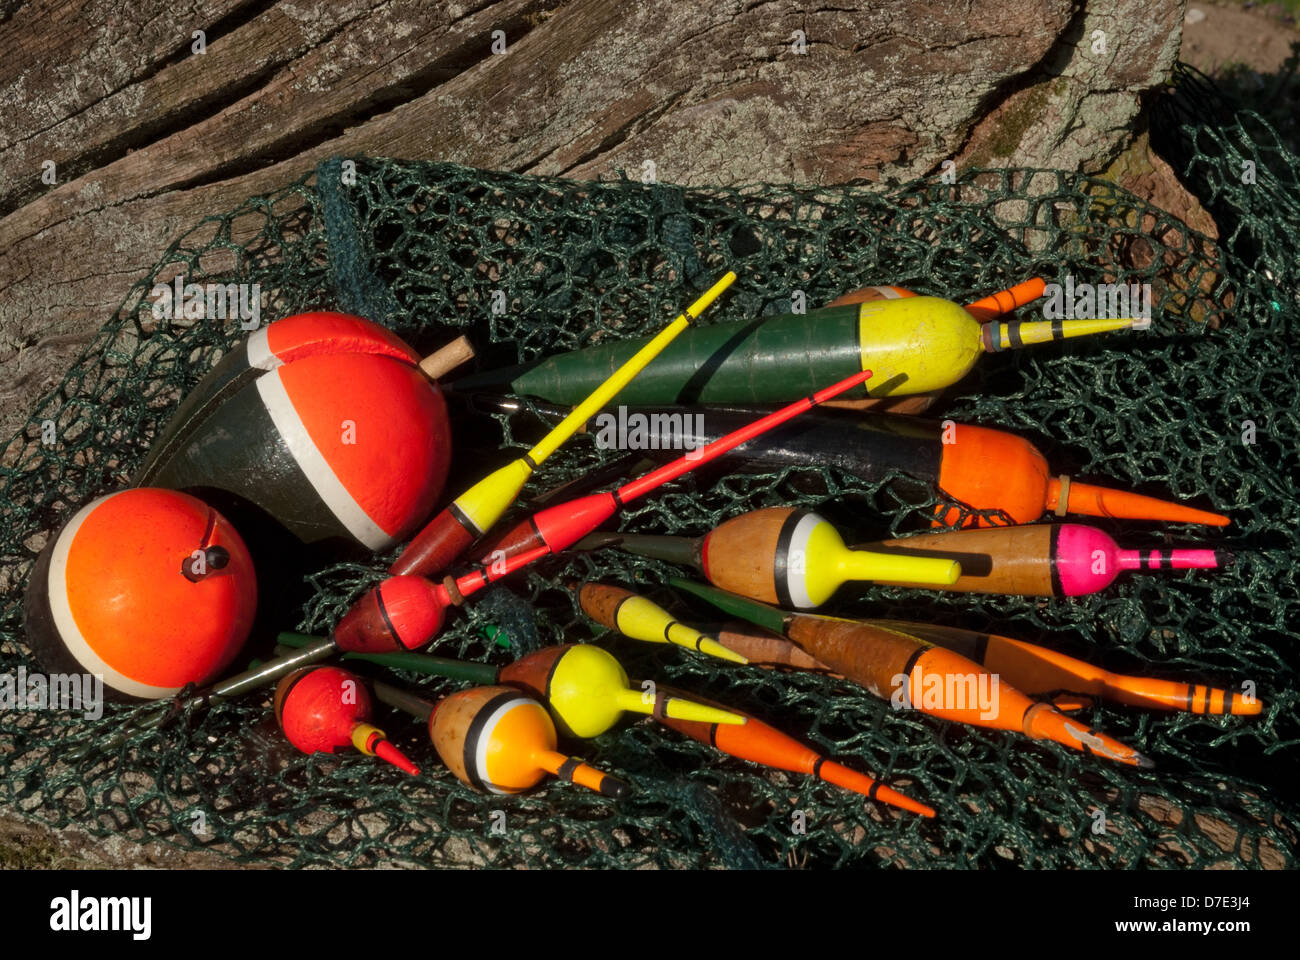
(325, 709)
(474, 512)
(913, 672)
(980, 467)
(1042, 560)
(498, 740)
(1031, 668)
(779, 555)
(326, 423)
(914, 344)
(149, 589)
(762, 744)
(640, 618)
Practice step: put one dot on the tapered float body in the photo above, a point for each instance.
(778, 555)
(910, 671)
(760, 743)
(150, 589)
(448, 535)
(983, 468)
(326, 710)
(914, 345)
(588, 691)
(322, 422)
(642, 619)
(498, 740)
(1039, 671)
(1030, 668)
(563, 525)
(1043, 560)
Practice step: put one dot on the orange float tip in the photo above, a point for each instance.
(1243, 708)
(1045, 722)
(584, 775)
(842, 776)
(1096, 501)
(1004, 301)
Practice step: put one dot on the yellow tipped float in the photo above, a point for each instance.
(475, 511)
(642, 619)
(1010, 336)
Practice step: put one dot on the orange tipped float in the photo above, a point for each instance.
(1040, 671)
(497, 740)
(760, 743)
(152, 589)
(914, 674)
(990, 469)
(326, 710)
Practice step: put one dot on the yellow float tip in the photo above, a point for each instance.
(711, 294)
(996, 335)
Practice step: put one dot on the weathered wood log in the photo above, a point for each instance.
(146, 134)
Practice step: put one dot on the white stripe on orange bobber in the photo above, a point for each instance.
(315, 467)
(259, 350)
(796, 584)
(485, 740)
(66, 624)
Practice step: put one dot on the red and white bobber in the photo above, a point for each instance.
(322, 421)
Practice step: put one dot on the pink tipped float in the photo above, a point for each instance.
(1087, 560)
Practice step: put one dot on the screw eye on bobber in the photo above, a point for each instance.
(323, 422)
(152, 589)
(1043, 560)
(474, 512)
(327, 709)
(584, 685)
(642, 619)
(911, 672)
(914, 344)
(779, 555)
(1030, 668)
(760, 743)
(498, 740)
(983, 468)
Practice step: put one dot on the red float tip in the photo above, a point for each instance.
(386, 751)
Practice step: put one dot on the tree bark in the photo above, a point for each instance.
(146, 135)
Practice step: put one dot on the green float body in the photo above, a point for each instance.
(769, 360)
(910, 345)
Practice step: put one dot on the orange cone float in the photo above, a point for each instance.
(326, 710)
(324, 422)
(152, 589)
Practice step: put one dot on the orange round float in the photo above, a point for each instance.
(152, 589)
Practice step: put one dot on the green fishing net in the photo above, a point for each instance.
(529, 266)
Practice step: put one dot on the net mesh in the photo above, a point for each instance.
(530, 266)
